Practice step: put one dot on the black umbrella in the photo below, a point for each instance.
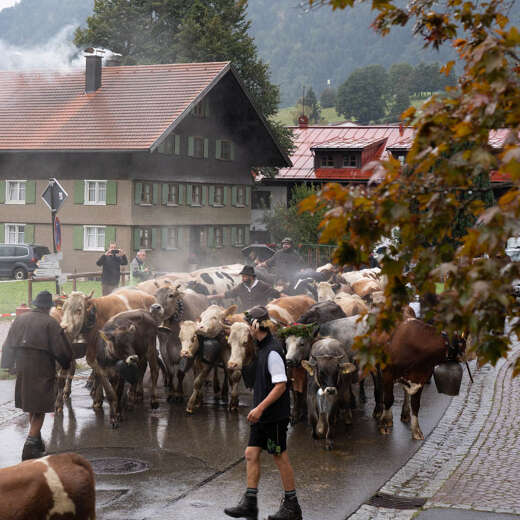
(261, 251)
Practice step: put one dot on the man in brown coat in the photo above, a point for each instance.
(34, 343)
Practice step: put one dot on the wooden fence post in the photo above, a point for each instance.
(29, 289)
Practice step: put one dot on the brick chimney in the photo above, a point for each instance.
(303, 121)
(92, 73)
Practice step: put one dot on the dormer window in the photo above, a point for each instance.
(327, 161)
(351, 160)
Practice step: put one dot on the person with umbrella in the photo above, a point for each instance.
(251, 292)
(286, 262)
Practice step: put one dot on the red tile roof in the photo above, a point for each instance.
(329, 137)
(135, 105)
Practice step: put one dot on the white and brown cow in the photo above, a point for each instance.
(52, 488)
(214, 280)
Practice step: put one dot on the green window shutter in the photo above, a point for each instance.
(180, 235)
(206, 148)
(138, 192)
(155, 238)
(164, 237)
(79, 194)
(110, 235)
(189, 189)
(211, 236)
(234, 196)
(164, 192)
(226, 195)
(233, 236)
(203, 195)
(137, 239)
(30, 192)
(246, 235)
(232, 151)
(182, 193)
(2, 193)
(218, 150)
(211, 196)
(206, 108)
(155, 194)
(190, 146)
(248, 195)
(77, 238)
(2, 233)
(226, 238)
(111, 192)
(177, 145)
(28, 233)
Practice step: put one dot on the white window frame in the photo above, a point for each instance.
(145, 230)
(219, 236)
(85, 241)
(150, 202)
(8, 200)
(96, 201)
(176, 201)
(220, 189)
(175, 231)
(241, 240)
(197, 187)
(241, 194)
(17, 232)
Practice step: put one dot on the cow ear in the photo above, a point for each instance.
(230, 310)
(156, 284)
(346, 368)
(226, 328)
(308, 367)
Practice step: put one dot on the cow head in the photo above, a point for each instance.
(117, 340)
(298, 341)
(76, 312)
(325, 292)
(242, 346)
(169, 297)
(157, 312)
(211, 322)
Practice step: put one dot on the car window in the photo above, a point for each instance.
(21, 251)
(40, 251)
(7, 251)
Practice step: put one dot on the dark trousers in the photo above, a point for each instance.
(107, 289)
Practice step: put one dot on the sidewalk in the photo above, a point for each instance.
(468, 468)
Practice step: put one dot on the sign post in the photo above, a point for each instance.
(54, 196)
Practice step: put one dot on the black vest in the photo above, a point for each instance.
(280, 409)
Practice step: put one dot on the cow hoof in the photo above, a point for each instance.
(405, 418)
(418, 436)
(115, 425)
(178, 399)
(329, 445)
(384, 429)
(66, 397)
(189, 411)
(97, 405)
(378, 411)
(154, 405)
(59, 411)
(362, 398)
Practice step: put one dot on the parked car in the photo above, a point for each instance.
(17, 260)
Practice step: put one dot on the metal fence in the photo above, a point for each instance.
(316, 254)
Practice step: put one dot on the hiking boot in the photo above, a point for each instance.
(246, 508)
(32, 449)
(289, 510)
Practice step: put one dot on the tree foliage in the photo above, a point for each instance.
(285, 221)
(328, 97)
(450, 159)
(308, 105)
(181, 31)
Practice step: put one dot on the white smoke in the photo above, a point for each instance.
(8, 3)
(59, 53)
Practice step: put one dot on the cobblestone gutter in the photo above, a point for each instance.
(471, 460)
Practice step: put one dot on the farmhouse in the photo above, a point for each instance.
(152, 156)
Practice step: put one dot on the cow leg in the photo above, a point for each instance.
(154, 374)
(197, 388)
(224, 393)
(330, 430)
(347, 410)
(178, 394)
(96, 392)
(417, 434)
(387, 421)
(70, 376)
(405, 411)
(216, 382)
(362, 393)
(234, 378)
(60, 379)
(111, 396)
(378, 393)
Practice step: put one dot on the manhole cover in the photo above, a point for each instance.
(395, 501)
(118, 466)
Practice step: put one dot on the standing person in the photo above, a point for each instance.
(34, 343)
(139, 270)
(286, 262)
(111, 262)
(251, 292)
(269, 420)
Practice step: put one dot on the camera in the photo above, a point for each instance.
(115, 251)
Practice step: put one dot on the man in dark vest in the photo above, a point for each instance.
(269, 420)
(34, 343)
(251, 292)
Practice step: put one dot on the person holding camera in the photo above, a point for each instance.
(269, 421)
(111, 263)
(139, 270)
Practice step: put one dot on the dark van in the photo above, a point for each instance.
(16, 260)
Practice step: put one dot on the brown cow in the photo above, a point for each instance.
(288, 309)
(52, 488)
(414, 350)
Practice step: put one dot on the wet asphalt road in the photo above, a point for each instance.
(191, 467)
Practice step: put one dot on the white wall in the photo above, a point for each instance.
(278, 197)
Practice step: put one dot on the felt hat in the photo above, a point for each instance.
(248, 270)
(43, 300)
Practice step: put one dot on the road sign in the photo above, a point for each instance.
(54, 195)
(57, 233)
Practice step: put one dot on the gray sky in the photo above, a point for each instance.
(7, 3)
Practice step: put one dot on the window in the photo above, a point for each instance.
(196, 195)
(96, 192)
(173, 195)
(147, 193)
(326, 161)
(145, 238)
(201, 109)
(94, 238)
(401, 157)
(219, 236)
(14, 233)
(219, 196)
(241, 196)
(15, 192)
(172, 238)
(261, 200)
(350, 160)
(240, 235)
(198, 147)
(171, 145)
(225, 150)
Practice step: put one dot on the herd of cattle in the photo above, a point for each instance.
(122, 330)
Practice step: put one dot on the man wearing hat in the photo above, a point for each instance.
(269, 419)
(286, 262)
(250, 292)
(34, 343)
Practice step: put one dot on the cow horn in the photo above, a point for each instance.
(91, 294)
(103, 336)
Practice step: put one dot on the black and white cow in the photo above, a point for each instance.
(214, 280)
